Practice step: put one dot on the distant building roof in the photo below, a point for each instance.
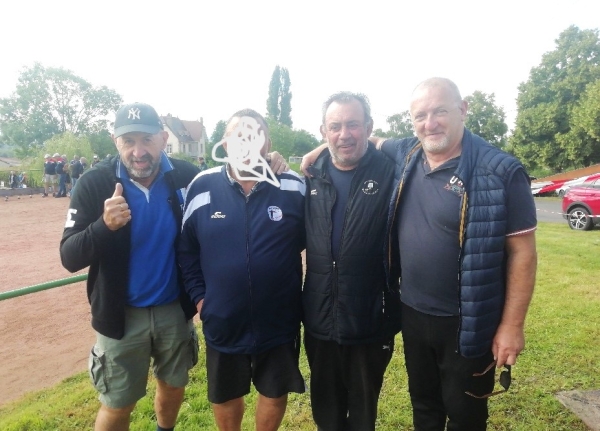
(195, 128)
(184, 130)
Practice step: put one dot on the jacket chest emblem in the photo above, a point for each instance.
(370, 187)
(456, 186)
(275, 213)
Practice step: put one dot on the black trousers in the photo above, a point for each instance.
(345, 382)
(438, 376)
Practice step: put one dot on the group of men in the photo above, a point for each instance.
(16, 179)
(432, 235)
(59, 172)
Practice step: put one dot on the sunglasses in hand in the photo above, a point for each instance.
(505, 380)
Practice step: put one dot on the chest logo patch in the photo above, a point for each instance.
(370, 187)
(275, 213)
(456, 186)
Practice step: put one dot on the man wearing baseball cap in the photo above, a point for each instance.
(124, 222)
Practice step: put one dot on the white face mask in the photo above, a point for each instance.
(244, 145)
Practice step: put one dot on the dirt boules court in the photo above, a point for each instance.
(45, 336)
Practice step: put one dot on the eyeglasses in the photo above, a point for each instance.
(505, 380)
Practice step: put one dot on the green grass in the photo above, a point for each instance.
(563, 329)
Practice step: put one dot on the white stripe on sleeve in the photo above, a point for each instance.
(197, 202)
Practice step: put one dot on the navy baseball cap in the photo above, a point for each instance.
(137, 117)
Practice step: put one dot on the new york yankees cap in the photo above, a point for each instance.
(137, 117)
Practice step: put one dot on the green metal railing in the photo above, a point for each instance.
(42, 286)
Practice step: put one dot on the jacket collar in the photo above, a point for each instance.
(319, 168)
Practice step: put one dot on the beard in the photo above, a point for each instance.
(435, 147)
(141, 173)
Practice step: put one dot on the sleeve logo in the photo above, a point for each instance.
(70, 222)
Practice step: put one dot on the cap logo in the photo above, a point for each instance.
(134, 114)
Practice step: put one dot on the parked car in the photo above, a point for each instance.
(581, 205)
(577, 181)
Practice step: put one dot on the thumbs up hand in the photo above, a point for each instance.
(116, 211)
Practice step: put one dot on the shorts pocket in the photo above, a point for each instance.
(97, 369)
(194, 346)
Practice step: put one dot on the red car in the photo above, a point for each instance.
(581, 205)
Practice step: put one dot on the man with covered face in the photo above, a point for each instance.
(243, 231)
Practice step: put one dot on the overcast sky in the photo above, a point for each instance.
(211, 58)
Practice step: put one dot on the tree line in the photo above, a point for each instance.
(557, 126)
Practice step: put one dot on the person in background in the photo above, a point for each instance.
(13, 180)
(62, 176)
(202, 164)
(76, 169)
(68, 181)
(95, 160)
(23, 179)
(49, 175)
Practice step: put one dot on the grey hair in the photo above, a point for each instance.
(347, 97)
(437, 82)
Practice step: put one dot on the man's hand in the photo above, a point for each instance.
(277, 163)
(377, 141)
(199, 306)
(508, 342)
(116, 211)
(310, 158)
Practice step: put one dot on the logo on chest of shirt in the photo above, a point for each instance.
(275, 213)
(370, 187)
(217, 215)
(455, 185)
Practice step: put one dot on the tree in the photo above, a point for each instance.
(65, 143)
(102, 143)
(274, 90)
(586, 125)
(279, 101)
(486, 119)
(289, 142)
(215, 138)
(50, 101)
(547, 134)
(285, 99)
(400, 126)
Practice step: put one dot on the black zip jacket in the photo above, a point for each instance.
(87, 241)
(355, 300)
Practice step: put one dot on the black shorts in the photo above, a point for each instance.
(274, 373)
